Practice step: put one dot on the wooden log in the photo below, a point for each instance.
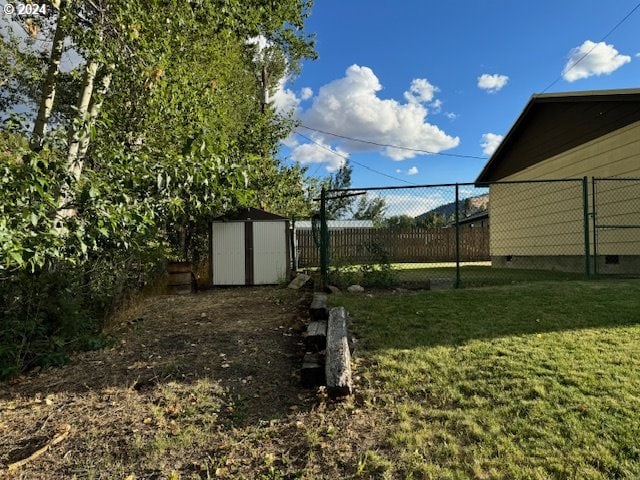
(318, 309)
(316, 339)
(338, 356)
(312, 373)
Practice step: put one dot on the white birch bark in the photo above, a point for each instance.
(79, 128)
(49, 87)
(93, 114)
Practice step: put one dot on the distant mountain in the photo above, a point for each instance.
(468, 206)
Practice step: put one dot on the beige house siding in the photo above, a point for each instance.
(548, 220)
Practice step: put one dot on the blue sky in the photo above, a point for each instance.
(410, 73)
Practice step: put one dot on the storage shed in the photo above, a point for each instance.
(250, 247)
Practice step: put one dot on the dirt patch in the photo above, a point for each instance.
(196, 386)
(239, 347)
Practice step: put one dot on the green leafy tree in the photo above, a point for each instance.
(370, 209)
(400, 222)
(434, 219)
(21, 71)
(161, 125)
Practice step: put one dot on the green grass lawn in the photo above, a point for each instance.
(527, 381)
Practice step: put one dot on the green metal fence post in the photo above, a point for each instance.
(457, 236)
(324, 239)
(595, 225)
(585, 211)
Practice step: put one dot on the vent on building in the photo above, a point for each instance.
(612, 259)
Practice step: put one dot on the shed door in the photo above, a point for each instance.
(269, 253)
(228, 253)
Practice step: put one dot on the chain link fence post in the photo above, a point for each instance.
(457, 235)
(324, 239)
(595, 223)
(585, 207)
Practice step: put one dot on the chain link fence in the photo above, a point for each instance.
(461, 235)
(452, 235)
(616, 226)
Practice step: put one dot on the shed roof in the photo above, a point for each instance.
(335, 224)
(249, 214)
(553, 123)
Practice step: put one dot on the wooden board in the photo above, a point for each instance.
(312, 373)
(338, 356)
(316, 339)
(318, 309)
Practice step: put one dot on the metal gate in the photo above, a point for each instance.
(616, 225)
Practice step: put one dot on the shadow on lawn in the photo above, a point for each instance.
(479, 276)
(455, 317)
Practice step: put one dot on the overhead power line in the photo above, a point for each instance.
(399, 147)
(351, 160)
(624, 19)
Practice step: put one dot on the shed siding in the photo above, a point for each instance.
(228, 253)
(547, 219)
(269, 252)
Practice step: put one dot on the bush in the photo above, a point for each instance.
(49, 314)
(377, 273)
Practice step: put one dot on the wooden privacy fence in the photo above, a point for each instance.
(417, 245)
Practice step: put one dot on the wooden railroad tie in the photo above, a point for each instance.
(338, 356)
(319, 309)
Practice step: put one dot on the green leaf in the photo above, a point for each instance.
(17, 257)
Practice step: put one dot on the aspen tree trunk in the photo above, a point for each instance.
(265, 88)
(77, 132)
(93, 114)
(49, 87)
(79, 128)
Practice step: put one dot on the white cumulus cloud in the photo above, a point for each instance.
(412, 171)
(492, 83)
(420, 91)
(490, 141)
(436, 106)
(594, 59)
(319, 152)
(306, 93)
(284, 100)
(351, 107)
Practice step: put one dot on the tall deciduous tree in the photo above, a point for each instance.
(370, 208)
(176, 125)
(168, 127)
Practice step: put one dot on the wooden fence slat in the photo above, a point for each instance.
(420, 245)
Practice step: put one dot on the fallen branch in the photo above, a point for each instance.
(54, 441)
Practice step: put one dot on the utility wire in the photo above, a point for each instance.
(624, 19)
(352, 160)
(399, 147)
